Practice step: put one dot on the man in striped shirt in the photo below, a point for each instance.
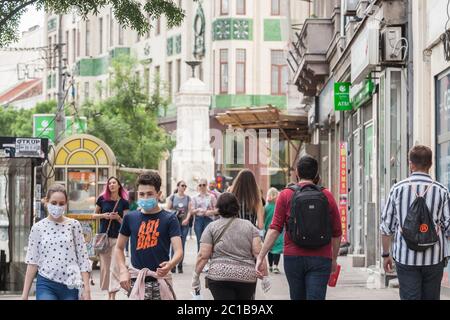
(419, 272)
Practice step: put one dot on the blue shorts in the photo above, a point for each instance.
(47, 289)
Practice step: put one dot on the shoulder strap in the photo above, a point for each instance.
(426, 190)
(295, 188)
(110, 221)
(75, 243)
(223, 231)
(298, 188)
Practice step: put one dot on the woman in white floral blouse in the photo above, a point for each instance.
(57, 254)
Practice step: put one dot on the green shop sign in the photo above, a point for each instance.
(364, 94)
(342, 96)
(44, 126)
(77, 126)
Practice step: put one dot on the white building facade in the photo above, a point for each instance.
(243, 46)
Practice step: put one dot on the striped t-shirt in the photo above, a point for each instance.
(401, 197)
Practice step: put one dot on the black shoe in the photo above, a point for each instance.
(174, 270)
(180, 269)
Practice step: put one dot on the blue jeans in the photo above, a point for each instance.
(420, 283)
(307, 277)
(184, 233)
(47, 289)
(200, 225)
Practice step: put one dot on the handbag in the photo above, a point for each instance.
(215, 242)
(101, 240)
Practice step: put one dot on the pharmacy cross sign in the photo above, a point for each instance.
(342, 96)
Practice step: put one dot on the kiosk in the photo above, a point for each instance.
(83, 164)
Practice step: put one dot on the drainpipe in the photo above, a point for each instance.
(410, 79)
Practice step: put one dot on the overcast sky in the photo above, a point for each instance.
(31, 18)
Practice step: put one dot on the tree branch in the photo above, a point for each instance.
(16, 10)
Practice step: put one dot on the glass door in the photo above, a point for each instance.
(81, 191)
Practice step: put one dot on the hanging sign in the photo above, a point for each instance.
(343, 190)
(342, 96)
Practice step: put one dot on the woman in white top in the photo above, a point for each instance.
(57, 253)
(203, 209)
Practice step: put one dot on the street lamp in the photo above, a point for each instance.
(193, 64)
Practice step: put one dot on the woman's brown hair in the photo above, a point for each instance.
(247, 191)
(54, 189)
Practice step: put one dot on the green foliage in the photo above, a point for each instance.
(19, 123)
(129, 13)
(127, 121)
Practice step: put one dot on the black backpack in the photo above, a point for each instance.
(309, 223)
(419, 230)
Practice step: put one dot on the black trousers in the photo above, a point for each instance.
(274, 259)
(230, 290)
(420, 283)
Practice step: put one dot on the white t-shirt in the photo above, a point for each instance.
(59, 251)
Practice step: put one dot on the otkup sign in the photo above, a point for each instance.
(342, 96)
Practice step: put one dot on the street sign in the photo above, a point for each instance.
(342, 96)
(77, 126)
(16, 147)
(44, 126)
(343, 191)
(26, 147)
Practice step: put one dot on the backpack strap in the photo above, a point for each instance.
(296, 187)
(426, 190)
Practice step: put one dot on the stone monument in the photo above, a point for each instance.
(192, 157)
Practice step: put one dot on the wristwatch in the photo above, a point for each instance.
(385, 255)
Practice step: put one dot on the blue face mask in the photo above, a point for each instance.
(147, 204)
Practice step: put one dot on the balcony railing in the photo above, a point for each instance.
(308, 59)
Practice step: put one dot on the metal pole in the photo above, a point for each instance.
(60, 108)
(410, 80)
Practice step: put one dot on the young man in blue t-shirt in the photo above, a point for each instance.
(151, 231)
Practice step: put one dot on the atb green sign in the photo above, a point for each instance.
(44, 126)
(79, 125)
(342, 96)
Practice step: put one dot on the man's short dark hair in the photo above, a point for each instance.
(421, 157)
(150, 178)
(228, 205)
(307, 168)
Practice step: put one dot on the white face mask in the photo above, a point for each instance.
(56, 211)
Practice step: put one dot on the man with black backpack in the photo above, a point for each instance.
(418, 215)
(313, 234)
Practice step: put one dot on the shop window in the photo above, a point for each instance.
(81, 191)
(395, 132)
(103, 175)
(443, 129)
(60, 174)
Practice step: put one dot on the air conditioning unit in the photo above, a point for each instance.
(349, 7)
(393, 44)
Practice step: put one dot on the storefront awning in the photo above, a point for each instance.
(292, 127)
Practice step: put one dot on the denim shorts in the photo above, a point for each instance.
(47, 289)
